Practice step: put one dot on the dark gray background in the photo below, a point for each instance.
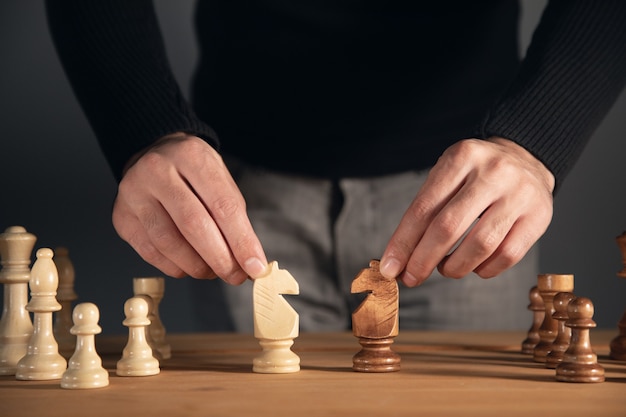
(56, 183)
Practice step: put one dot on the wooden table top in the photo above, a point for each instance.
(442, 374)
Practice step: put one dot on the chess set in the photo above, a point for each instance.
(59, 342)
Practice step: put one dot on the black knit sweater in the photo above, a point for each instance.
(337, 88)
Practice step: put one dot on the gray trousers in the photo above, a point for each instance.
(324, 232)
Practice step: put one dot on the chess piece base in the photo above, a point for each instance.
(528, 345)
(541, 351)
(10, 355)
(133, 367)
(85, 380)
(376, 356)
(566, 372)
(276, 358)
(555, 356)
(40, 367)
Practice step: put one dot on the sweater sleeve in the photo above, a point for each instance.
(114, 56)
(573, 72)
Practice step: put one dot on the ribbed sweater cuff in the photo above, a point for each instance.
(573, 72)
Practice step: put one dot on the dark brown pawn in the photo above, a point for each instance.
(539, 311)
(376, 356)
(618, 344)
(580, 363)
(621, 242)
(561, 343)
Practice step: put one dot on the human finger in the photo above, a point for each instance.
(520, 239)
(443, 182)
(219, 195)
(131, 230)
(446, 230)
(180, 226)
(482, 240)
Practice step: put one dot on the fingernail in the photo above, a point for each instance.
(409, 280)
(255, 267)
(391, 268)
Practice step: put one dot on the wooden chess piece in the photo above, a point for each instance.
(375, 321)
(549, 285)
(564, 333)
(621, 242)
(580, 363)
(137, 358)
(539, 311)
(618, 344)
(276, 323)
(16, 327)
(155, 288)
(42, 360)
(85, 366)
(65, 296)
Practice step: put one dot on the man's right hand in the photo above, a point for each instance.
(182, 212)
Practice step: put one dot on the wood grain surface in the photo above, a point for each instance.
(443, 374)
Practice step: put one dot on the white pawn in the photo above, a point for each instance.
(85, 366)
(137, 359)
(42, 360)
(149, 337)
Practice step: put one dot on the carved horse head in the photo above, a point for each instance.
(377, 316)
(274, 318)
